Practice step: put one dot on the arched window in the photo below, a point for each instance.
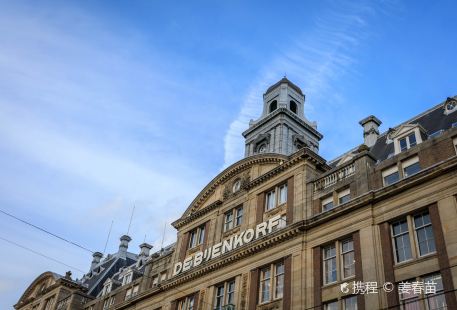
(273, 106)
(293, 106)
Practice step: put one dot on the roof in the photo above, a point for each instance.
(431, 121)
(284, 80)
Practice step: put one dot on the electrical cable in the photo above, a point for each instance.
(46, 231)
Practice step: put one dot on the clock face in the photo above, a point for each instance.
(262, 148)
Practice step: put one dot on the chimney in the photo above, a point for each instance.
(124, 245)
(97, 256)
(144, 249)
(370, 126)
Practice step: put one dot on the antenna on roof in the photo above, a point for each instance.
(130, 223)
(163, 236)
(144, 238)
(109, 234)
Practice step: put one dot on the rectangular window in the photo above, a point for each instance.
(329, 263)
(111, 300)
(282, 194)
(401, 241)
(437, 300)
(126, 280)
(196, 236)
(347, 258)
(135, 290)
(155, 280)
(411, 169)
(224, 295)
(403, 144)
(350, 303)
(344, 196)
(408, 299)
(239, 216)
(271, 282)
(279, 280)
(228, 220)
(391, 178)
(128, 294)
(332, 305)
(265, 277)
(424, 234)
(233, 218)
(270, 200)
(327, 204)
(411, 166)
(186, 303)
(412, 140)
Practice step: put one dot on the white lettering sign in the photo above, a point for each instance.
(227, 245)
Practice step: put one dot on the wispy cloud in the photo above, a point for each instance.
(315, 60)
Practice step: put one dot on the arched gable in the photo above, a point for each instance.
(43, 281)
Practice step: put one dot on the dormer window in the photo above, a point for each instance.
(273, 106)
(407, 142)
(127, 278)
(293, 106)
(107, 287)
(450, 106)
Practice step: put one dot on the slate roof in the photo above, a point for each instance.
(432, 120)
(284, 80)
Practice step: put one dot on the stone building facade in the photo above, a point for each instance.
(284, 228)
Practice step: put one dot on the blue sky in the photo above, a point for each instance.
(106, 105)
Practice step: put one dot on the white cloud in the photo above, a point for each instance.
(315, 61)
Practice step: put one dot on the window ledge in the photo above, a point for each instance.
(231, 231)
(271, 305)
(416, 260)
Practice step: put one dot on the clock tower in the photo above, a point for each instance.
(282, 128)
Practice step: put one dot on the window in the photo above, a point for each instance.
(402, 244)
(424, 234)
(339, 253)
(332, 305)
(196, 236)
(407, 142)
(111, 300)
(347, 258)
(329, 264)
(411, 166)
(225, 295)
(282, 194)
(273, 106)
(135, 290)
(350, 303)
(163, 276)
(270, 200)
(128, 294)
(293, 106)
(327, 204)
(262, 148)
(437, 300)
(276, 197)
(186, 303)
(344, 196)
(423, 238)
(233, 218)
(155, 280)
(390, 175)
(106, 303)
(127, 278)
(107, 287)
(271, 282)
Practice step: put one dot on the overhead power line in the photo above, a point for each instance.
(46, 231)
(40, 254)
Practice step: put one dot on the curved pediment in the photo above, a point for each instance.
(225, 183)
(39, 286)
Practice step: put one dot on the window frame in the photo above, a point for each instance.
(226, 293)
(412, 236)
(196, 236)
(338, 256)
(186, 303)
(236, 215)
(277, 201)
(271, 282)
